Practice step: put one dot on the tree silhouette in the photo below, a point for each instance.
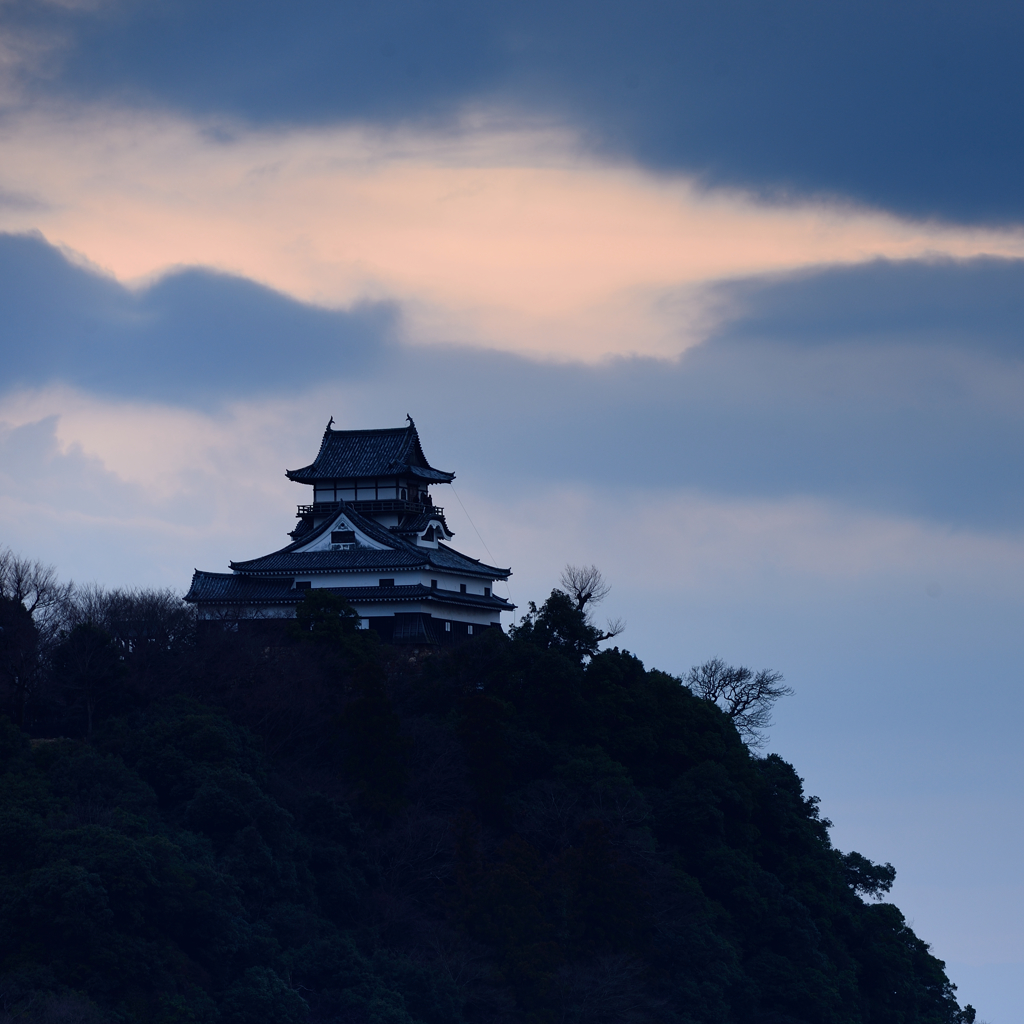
(585, 584)
(88, 670)
(747, 698)
(19, 643)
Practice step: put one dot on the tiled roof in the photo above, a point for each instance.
(401, 554)
(358, 559)
(212, 586)
(448, 558)
(301, 532)
(369, 453)
(232, 589)
(417, 524)
(353, 560)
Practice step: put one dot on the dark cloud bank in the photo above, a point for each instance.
(910, 105)
(882, 385)
(194, 336)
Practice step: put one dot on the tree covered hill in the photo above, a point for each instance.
(520, 829)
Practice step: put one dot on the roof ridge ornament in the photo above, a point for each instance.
(330, 423)
(411, 424)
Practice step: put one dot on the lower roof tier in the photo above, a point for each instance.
(232, 589)
(377, 548)
(295, 563)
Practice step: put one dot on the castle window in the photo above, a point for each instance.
(469, 629)
(385, 583)
(343, 536)
(447, 627)
(487, 591)
(462, 588)
(303, 585)
(433, 584)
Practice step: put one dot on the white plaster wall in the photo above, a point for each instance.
(445, 581)
(341, 522)
(476, 616)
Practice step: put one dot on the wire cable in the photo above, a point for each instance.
(486, 548)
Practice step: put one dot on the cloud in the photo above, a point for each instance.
(192, 336)
(973, 304)
(131, 493)
(38, 472)
(510, 220)
(897, 106)
(893, 387)
(493, 235)
(200, 478)
(899, 633)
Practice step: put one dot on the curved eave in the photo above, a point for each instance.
(368, 526)
(323, 563)
(407, 556)
(367, 454)
(397, 554)
(311, 475)
(491, 570)
(258, 567)
(326, 565)
(230, 594)
(437, 476)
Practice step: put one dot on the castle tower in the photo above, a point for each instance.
(372, 535)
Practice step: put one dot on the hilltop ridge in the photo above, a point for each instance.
(522, 828)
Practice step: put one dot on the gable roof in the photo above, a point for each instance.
(369, 453)
(398, 554)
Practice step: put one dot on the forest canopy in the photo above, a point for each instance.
(204, 826)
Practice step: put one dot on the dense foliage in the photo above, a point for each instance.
(322, 829)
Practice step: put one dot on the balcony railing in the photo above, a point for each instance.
(326, 508)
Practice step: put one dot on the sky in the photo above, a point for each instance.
(724, 297)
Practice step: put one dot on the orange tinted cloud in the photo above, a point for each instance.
(502, 238)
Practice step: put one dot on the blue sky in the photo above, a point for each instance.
(725, 298)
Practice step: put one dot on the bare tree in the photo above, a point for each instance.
(33, 608)
(745, 697)
(586, 585)
(613, 627)
(34, 585)
(134, 618)
(19, 657)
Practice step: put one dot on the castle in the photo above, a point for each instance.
(371, 535)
